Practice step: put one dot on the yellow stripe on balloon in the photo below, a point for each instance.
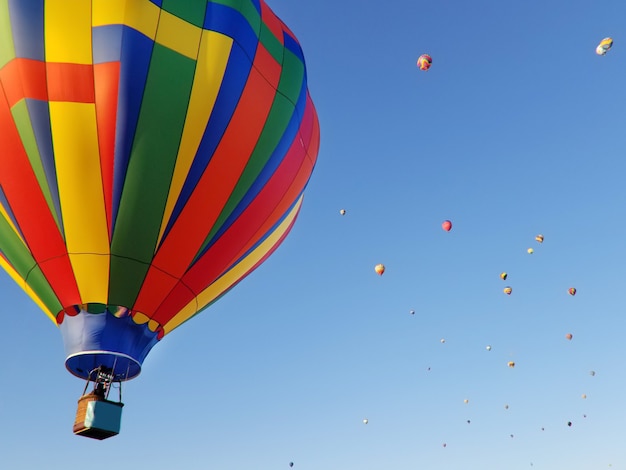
(212, 60)
(75, 141)
(67, 31)
(140, 15)
(22, 283)
(178, 35)
(236, 272)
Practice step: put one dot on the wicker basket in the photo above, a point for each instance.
(97, 417)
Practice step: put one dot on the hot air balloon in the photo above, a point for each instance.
(584, 396)
(592, 373)
(380, 269)
(446, 225)
(569, 336)
(511, 364)
(530, 251)
(153, 154)
(442, 340)
(365, 421)
(466, 401)
(604, 46)
(424, 62)
(412, 312)
(488, 348)
(503, 276)
(539, 238)
(572, 291)
(291, 464)
(507, 290)
(342, 212)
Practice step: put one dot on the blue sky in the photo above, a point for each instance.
(517, 129)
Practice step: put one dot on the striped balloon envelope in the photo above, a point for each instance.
(152, 154)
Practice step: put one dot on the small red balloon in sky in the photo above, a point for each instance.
(572, 291)
(569, 336)
(446, 225)
(424, 62)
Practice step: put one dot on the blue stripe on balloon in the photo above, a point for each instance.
(27, 20)
(136, 53)
(107, 43)
(232, 23)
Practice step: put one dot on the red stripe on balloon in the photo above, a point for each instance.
(106, 78)
(31, 211)
(24, 78)
(216, 185)
(272, 22)
(70, 82)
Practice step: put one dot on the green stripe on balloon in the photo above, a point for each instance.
(292, 77)
(271, 43)
(7, 51)
(149, 173)
(192, 11)
(22, 261)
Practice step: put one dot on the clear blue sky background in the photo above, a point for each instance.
(517, 129)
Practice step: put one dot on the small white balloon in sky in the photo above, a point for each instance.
(365, 421)
(488, 348)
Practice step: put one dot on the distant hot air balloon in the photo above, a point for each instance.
(584, 396)
(539, 238)
(511, 364)
(572, 291)
(444, 444)
(442, 340)
(592, 373)
(507, 290)
(569, 423)
(466, 401)
(291, 464)
(424, 62)
(488, 348)
(446, 225)
(604, 46)
(342, 212)
(380, 269)
(152, 155)
(412, 312)
(503, 276)
(530, 251)
(506, 407)
(569, 336)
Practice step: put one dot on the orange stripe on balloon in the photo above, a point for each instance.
(24, 78)
(31, 210)
(183, 241)
(106, 77)
(70, 82)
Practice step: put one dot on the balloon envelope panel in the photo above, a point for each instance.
(153, 152)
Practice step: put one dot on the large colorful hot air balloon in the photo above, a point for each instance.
(152, 154)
